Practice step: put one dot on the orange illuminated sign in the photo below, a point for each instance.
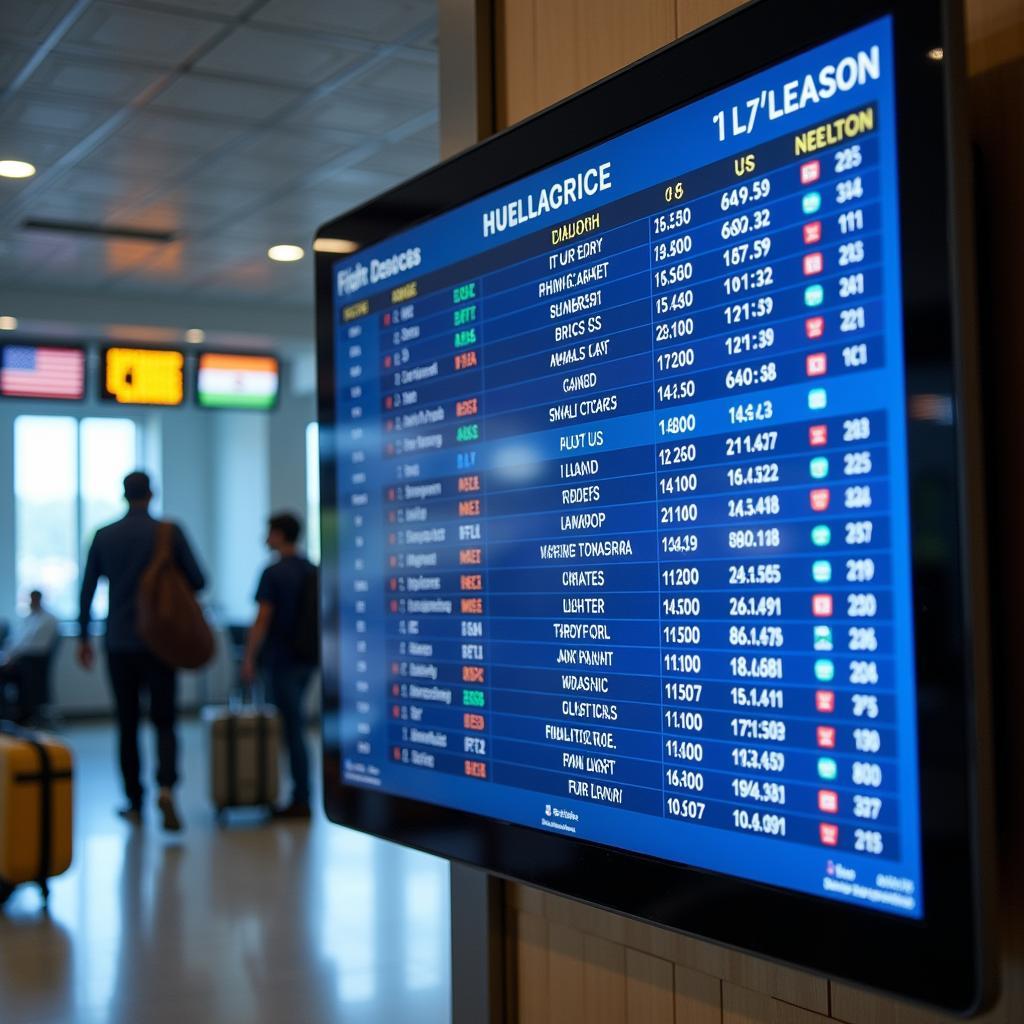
(143, 376)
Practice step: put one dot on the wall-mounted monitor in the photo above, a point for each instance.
(230, 380)
(42, 371)
(142, 376)
(652, 550)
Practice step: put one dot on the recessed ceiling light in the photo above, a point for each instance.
(334, 245)
(16, 169)
(195, 336)
(285, 253)
(8, 323)
(936, 53)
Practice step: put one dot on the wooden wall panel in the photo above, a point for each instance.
(548, 49)
(691, 14)
(576, 963)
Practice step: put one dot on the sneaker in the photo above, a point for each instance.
(172, 823)
(295, 811)
(132, 814)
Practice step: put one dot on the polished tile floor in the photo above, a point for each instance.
(247, 924)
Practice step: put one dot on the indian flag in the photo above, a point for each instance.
(237, 382)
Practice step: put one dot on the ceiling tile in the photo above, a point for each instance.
(380, 21)
(73, 117)
(222, 97)
(228, 8)
(188, 132)
(131, 33)
(12, 60)
(403, 160)
(143, 160)
(278, 57)
(404, 78)
(252, 172)
(31, 19)
(117, 82)
(308, 149)
(360, 111)
(105, 185)
(62, 204)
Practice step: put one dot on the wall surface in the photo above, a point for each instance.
(572, 963)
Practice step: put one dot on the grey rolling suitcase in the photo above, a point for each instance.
(243, 744)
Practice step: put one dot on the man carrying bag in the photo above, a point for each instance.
(154, 626)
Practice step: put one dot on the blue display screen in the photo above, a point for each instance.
(622, 489)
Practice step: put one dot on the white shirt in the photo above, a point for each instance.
(35, 635)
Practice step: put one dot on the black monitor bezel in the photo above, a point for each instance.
(945, 959)
(15, 342)
(194, 378)
(110, 399)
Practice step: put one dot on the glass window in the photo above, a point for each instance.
(46, 512)
(107, 454)
(313, 493)
(67, 483)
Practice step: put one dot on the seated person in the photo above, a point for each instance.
(26, 662)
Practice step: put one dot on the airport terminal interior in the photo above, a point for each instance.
(597, 546)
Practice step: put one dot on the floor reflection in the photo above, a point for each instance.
(248, 923)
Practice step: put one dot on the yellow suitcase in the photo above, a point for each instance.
(35, 809)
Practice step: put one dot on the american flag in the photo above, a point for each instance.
(34, 371)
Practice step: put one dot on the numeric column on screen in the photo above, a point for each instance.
(355, 489)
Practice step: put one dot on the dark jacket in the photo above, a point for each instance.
(121, 552)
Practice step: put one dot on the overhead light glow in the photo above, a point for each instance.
(341, 245)
(286, 253)
(16, 169)
(195, 336)
(936, 53)
(8, 323)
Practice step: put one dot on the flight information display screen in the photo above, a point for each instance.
(622, 487)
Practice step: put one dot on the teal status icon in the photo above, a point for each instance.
(814, 295)
(821, 571)
(824, 670)
(811, 203)
(823, 638)
(819, 467)
(821, 535)
(817, 399)
(827, 769)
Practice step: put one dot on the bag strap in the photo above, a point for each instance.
(46, 811)
(163, 549)
(261, 754)
(232, 756)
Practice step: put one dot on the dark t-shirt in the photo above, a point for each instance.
(281, 586)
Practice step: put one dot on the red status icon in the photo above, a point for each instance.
(814, 263)
(812, 232)
(821, 606)
(826, 737)
(814, 327)
(820, 498)
(829, 834)
(810, 172)
(828, 801)
(825, 701)
(818, 435)
(817, 364)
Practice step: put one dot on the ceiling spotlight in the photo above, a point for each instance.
(8, 323)
(340, 245)
(285, 253)
(16, 169)
(936, 53)
(195, 336)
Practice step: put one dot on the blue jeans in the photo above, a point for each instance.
(287, 693)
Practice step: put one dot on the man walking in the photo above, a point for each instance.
(121, 552)
(287, 598)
